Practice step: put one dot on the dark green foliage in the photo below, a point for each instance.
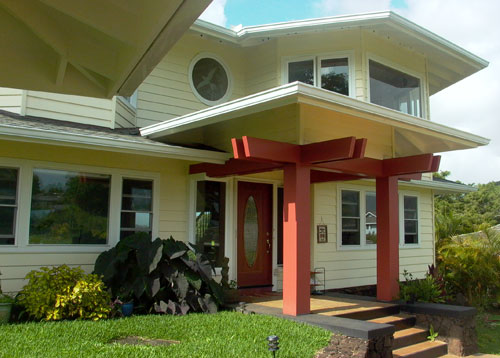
(470, 265)
(425, 290)
(162, 275)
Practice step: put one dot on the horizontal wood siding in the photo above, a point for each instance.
(356, 267)
(87, 110)
(166, 92)
(172, 211)
(11, 99)
(124, 115)
(261, 67)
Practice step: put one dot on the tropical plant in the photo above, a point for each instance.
(432, 334)
(470, 265)
(64, 293)
(424, 290)
(162, 275)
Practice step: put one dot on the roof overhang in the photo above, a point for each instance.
(96, 48)
(447, 63)
(412, 135)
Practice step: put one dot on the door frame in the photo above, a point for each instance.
(231, 226)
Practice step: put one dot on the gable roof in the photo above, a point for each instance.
(95, 48)
(447, 63)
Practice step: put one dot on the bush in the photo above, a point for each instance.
(470, 265)
(425, 290)
(64, 293)
(164, 276)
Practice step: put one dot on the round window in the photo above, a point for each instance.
(209, 79)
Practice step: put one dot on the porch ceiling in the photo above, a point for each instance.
(301, 114)
(93, 48)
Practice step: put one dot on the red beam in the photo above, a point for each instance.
(318, 176)
(269, 150)
(233, 167)
(407, 165)
(238, 148)
(368, 167)
(408, 177)
(359, 148)
(436, 160)
(327, 151)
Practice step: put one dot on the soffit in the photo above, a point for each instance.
(96, 48)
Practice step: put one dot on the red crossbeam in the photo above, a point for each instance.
(269, 150)
(327, 151)
(319, 176)
(233, 167)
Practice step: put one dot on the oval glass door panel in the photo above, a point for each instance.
(251, 231)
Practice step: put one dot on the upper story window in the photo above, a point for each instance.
(328, 72)
(210, 79)
(395, 89)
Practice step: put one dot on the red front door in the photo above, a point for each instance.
(255, 203)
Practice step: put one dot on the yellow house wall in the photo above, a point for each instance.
(172, 210)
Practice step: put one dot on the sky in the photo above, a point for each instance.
(470, 105)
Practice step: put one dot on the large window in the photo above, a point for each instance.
(137, 207)
(410, 219)
(8, 205)
(351, 228)
(395, 89)
(69, 207)
(210, 218)
(330, 73)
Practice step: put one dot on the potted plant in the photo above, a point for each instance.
(6, 303)
(126, 300)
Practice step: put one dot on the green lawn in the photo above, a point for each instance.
(226, 334)
(488, 332)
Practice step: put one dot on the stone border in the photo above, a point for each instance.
(439, 309)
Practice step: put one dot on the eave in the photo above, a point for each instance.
(96, 48)
(407, 128)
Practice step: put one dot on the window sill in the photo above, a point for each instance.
(54, 249)
(357, 248)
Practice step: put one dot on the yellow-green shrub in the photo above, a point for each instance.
(64, 293)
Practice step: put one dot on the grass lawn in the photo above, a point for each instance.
(488, 332)
(225, 334)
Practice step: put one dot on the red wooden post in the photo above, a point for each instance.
(296, 240)
(387, 238)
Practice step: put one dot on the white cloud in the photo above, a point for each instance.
(345, 7)
(215, 13)
(471, 104)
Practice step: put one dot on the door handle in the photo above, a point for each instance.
(268, 245)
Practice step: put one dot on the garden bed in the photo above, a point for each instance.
(225, 334)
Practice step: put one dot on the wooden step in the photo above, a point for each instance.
(425, 349)
(376, 312)
(409, 336)
(400, 321)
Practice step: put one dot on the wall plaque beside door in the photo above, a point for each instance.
(322, 234)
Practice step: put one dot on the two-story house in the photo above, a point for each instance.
(284, 147)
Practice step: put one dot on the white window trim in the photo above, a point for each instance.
(402, 243)
(362, 220)
(213, 56)
(316, 63)
(25, 180)
(400, 68)
(18, 194)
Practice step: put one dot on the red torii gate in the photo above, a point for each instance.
(333, 160)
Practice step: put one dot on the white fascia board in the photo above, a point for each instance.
(440, 187)
(297, 92)
(326, 23)
(96, 142)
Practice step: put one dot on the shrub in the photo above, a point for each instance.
(470, 265)
(64, 293)
(162, 275)
(425, 290)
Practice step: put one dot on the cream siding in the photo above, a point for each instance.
(79, 109)
(262, 67)
(11, 99)
(172, 211)
(125, 116)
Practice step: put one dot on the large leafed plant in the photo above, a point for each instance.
(163, 275)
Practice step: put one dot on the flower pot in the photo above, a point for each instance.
(5, 309)
(127, 309)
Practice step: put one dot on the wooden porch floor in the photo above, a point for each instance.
(320, 304)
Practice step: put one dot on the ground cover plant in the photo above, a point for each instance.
(488, 332)
(221, 335)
